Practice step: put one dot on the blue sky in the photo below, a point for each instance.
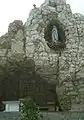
(11, 10)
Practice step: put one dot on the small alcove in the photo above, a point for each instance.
(55, 44)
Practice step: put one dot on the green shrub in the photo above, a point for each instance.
(29, 110)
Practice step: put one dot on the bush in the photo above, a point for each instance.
(29, 110)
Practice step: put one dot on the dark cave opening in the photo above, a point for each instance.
(20, 80)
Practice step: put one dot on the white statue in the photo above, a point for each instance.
(55, 36)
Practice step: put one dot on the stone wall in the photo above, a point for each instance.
(63, 116)
(9, 115)
(46, 116)
(65, 67)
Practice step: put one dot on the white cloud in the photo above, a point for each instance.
(11, 10)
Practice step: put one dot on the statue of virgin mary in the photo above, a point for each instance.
(55, 34)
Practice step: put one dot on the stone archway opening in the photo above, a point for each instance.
(60, 44)
(20, 80)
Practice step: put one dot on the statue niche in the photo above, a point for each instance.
(55, 36)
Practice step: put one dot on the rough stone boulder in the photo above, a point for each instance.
(64, 67)
(15, 26)
(53, 3)
(12, 43)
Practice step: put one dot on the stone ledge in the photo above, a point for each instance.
(56, 45)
